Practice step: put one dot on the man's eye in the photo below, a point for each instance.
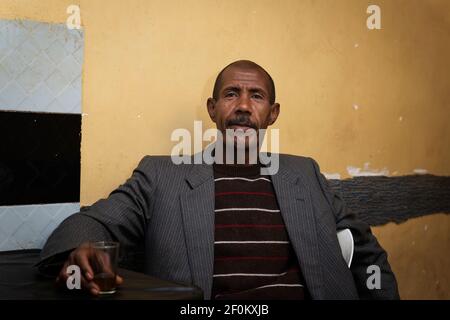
(230, 94)
(257, 96)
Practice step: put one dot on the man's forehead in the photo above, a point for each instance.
(245, 76)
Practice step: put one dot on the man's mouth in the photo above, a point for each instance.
(243, 127)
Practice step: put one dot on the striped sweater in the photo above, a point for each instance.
(253, 257)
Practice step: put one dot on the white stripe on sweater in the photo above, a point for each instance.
(246, 209)
(240, 178)
(278, 285)
(249, 242)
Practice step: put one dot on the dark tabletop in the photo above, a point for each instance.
(19, 279)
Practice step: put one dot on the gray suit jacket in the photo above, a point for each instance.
(171, 209)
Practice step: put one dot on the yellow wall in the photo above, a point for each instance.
(419, 255)
(150, 65)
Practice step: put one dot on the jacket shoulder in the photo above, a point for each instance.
(158, 163)
(297, 163)
(155, 160)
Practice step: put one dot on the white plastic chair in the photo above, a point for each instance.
(347, 245)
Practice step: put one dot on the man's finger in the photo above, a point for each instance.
(82, 259)
(90, 286)
(119, 280)
(62, 276)
(94, 291)
(102, 261)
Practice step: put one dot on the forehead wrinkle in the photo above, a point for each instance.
(250, 75)
(240, 87)
(246, 75)
(242, 78)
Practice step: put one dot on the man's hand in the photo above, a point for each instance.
(85, 257)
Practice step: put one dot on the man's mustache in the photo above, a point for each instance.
(241, 121)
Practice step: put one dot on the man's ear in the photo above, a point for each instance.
(211, 106)
(274, 112)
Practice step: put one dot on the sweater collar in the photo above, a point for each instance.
(238, 170)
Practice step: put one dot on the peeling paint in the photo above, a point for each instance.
(332, 175)
(420, 171)
(400, 118)
(355, 106)
(366, 171)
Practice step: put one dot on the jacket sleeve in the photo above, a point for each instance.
(367, 249)
(121, 217)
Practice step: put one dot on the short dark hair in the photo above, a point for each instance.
(248, 65)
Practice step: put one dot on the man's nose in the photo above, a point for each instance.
(244, 104)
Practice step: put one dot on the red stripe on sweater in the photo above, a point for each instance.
(250, 258)
(220, 226)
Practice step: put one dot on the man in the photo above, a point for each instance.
(225, 227)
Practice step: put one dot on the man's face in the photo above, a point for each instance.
(243, 101)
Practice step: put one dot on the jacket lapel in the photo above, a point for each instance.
(197, 207)
(296, 209)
